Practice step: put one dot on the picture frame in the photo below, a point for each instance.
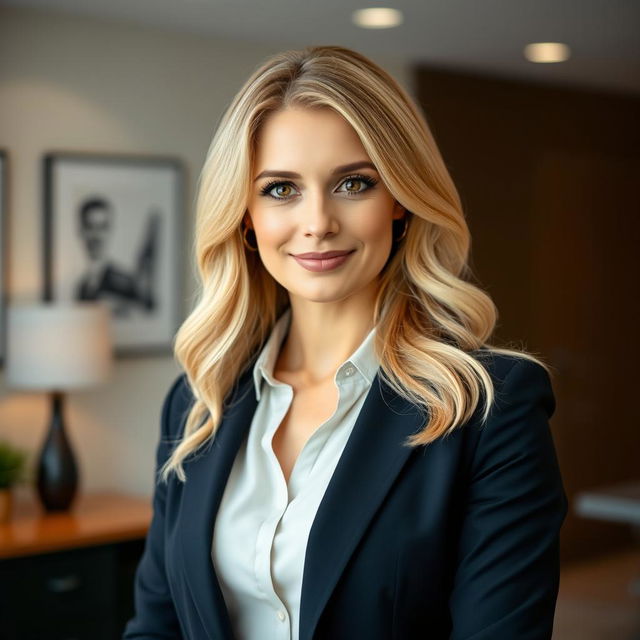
(4, 199)
(113, 231)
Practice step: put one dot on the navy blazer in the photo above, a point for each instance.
(456, 539)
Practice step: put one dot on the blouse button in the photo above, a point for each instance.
(281, 615)
(349, 371)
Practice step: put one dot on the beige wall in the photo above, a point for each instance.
(69, 83)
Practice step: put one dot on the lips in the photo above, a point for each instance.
(330, 260)
(314, 255)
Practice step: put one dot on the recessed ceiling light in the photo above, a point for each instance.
(547, 52)
(377, 18)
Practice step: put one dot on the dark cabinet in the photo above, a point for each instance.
(81, 592)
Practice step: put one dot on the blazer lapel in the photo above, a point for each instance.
(368, 467)
(207, 473)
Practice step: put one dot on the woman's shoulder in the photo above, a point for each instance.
(177, 402)
(180, 392)
(180, 398)
(522, 385)
(501, 364)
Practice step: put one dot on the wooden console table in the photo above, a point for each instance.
(69, 576)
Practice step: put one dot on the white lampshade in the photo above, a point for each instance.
(58, 346)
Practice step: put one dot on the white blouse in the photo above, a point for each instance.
(263, 523)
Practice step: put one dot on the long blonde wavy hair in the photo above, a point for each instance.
(430, 317)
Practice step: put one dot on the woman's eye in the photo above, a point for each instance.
(358, 182)
(281, 189)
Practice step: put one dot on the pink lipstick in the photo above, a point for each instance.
(326, 261)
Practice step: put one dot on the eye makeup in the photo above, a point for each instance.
(270, 186)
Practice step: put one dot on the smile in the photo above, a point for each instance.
(322, 264)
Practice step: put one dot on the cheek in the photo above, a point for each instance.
(270, 230)
(374, 228)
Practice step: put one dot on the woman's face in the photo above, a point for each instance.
(326, 206)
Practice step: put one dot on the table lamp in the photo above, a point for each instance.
(58, 347)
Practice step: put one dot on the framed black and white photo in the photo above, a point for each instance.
(3, 254)
(113, 231)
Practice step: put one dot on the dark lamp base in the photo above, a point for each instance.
(57, 481)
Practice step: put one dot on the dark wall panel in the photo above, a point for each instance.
(550, 181)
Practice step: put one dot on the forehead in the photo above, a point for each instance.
(298, 135)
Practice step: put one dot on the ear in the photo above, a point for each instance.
(246, 220)
(398, 211)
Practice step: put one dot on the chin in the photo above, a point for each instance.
(328, 294)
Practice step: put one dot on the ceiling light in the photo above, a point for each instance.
(547, 52)
(377, 18)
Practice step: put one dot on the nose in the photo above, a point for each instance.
(319, 218)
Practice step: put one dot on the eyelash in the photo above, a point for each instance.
(369, 181)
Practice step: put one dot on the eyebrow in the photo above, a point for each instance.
(276, 173)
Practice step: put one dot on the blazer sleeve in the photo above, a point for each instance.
(155, 615)
(508, 569)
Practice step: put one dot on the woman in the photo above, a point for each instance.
(373, 466)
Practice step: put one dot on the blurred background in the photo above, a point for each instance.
(535, 106)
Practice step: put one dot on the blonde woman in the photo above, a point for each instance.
(346, 456)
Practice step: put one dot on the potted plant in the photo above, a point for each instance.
(12, 471)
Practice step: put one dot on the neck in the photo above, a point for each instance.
(322, 335)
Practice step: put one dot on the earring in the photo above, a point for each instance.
(404, 230)
(246, 243)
